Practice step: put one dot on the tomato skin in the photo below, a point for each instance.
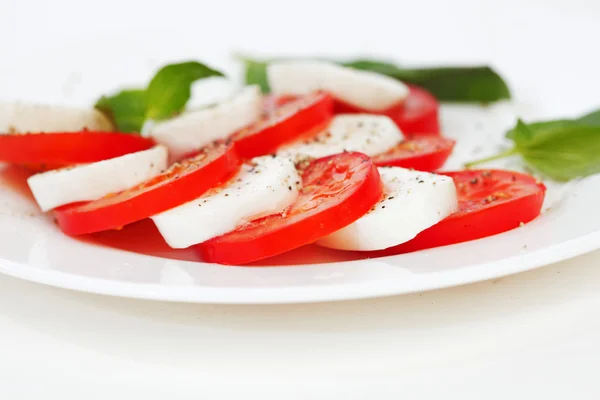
(67, 148)
(423, 153)
(483, 209)
(337, 190)
(417, 114)
(284, 121)
(183, 182)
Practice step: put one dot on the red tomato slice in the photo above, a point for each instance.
(337, 190)
(423, 153)
(490, 202)
(67, 148)
(283, 123)
(182, 182)
(273, 101)
(417, 114)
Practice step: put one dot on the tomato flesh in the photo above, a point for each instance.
(182, 182)
(423, 153)
(418, 113)
(490, 202)
(273, 101)
(67, 148)
(336, 191)
(283, 122)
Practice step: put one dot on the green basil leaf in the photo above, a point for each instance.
(478, 84)
(454, 84)
(170, 89)
(537, 127)
(522, 133)
(166, 95)
(592, 118)
(565, 152)
(381, 67)
(126, 109)
(256, 73)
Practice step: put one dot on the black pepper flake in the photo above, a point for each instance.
(390, 198)
(490, 198)
(274, 155)
(151, 165)
(421, 181)
(382, 206)
(297, 182)
(474, 181)
(289, 187)
(226, 194)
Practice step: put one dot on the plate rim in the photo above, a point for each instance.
(309, 293)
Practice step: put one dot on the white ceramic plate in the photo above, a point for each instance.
(77, 68)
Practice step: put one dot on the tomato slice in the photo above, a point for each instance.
(67, 148)
(337, 190)
(182, 182)
(273, 101)
(284, 122)
(423, 153)
(418, 113)
(490, 202)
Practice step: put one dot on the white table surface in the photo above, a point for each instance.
(529, 336)
(532, 335)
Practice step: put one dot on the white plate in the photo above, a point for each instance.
(75, 72)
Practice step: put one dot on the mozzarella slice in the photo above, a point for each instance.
(93, 181)
(368, 90)
(368, 134)
(413, 201)
(35, 118)
(195, 129)
(266, 187)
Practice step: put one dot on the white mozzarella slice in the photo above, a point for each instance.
(368, 90)
(36, 118)
(266, 186)
(92, 181)
(195, 129)
(368, 134)
(413, 201)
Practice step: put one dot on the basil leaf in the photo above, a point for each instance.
(561, 149)
(522, 133)
(256, 74)
(592, 118)
(537, 127)
(125, 109)
(170, 89)
(565, 152)
(166, 95)
(479, 84)
(454, 84)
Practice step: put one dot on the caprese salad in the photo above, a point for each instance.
(333, 155)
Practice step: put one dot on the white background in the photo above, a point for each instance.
(533, 335)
